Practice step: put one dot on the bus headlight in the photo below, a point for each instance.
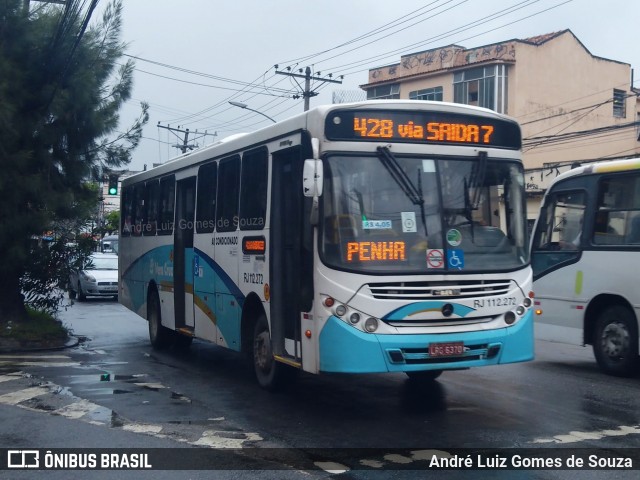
(371, 324)
(341, 310)
(354, 318)
(520, 310)
(527, 302)
(509, 318)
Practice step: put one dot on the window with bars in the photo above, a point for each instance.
(619, 103)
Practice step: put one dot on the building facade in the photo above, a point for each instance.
(573, 107)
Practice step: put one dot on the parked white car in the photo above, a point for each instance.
(99, 278)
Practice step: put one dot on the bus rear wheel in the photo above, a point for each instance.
(424, 375)
(271, 375)
(159, 336)
(616, 342)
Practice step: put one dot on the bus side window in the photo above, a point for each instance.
(559, 232)
(206, 203)
(138, 209)
(150, 220)
(228, 194)
(634, 232)
(618, 217)
(127, 210)
(253, 189)
(167, 204)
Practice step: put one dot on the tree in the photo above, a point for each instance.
(61, 88)
(112, 221)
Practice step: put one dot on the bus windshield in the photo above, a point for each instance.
(406, 214)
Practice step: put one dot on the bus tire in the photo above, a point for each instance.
(159, 336)
(615, 345)
(424, 375)
(271, 375)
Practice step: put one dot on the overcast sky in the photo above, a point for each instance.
(231, 48)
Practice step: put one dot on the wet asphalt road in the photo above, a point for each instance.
(114, 390)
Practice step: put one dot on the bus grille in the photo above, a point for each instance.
(438, 290)
(438, 322)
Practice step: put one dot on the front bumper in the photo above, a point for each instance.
(349, 350)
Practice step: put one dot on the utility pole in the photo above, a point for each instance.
(307, 93)
(185, 142)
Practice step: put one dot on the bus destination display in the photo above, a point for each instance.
(424, 127)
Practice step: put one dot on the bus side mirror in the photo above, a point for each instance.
(312, 178)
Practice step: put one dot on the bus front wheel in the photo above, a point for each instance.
(159, 336)
(616, 342)
(271, 375)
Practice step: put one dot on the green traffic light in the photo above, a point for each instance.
(113, 191)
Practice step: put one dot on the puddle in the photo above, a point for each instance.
(75, 379)
(105, 416)
(129, 378)
(193, 422)
(179, 396)
(108, 391)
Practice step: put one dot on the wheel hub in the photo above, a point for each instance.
(615, 340)
(262, 351)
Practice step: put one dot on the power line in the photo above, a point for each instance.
(551, 139)
(382, 28)
(440, 37)
(200, 74)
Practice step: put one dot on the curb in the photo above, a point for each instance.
(73, 341)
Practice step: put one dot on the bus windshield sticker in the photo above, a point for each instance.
(428, 166)
(375, 251)
(376, 225)
(454, 237)
(455, 258)
(435, 258)
(409, 222)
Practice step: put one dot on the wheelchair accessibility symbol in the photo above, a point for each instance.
(455, 259)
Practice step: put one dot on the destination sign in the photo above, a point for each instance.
(423, 127)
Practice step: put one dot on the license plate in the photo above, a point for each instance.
(450, 349)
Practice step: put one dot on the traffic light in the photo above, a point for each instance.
(113, 185)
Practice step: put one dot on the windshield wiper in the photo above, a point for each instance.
(468, 209)
(414, 193)
(476, 181)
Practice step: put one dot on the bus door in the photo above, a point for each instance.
(557, 272)
(290, 266)
(183, 253)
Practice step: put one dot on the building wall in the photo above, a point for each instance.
(444, 80)
(561, 76)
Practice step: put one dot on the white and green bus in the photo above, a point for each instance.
(382, 236)
(585, 247)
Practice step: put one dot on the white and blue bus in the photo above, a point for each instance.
(382, 236)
